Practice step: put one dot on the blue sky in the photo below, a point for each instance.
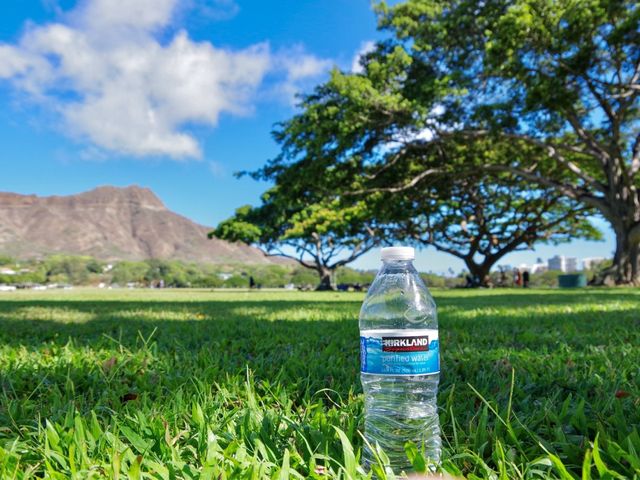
(175, 95)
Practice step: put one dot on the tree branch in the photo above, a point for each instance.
(358, 251)
(280, 253)
(424, 174)
(584, 134)
(552, 150)
(564, 188)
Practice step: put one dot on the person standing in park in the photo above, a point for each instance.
(517, 278)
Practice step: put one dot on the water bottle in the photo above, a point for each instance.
(400, 362)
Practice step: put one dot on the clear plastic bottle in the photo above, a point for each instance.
(400, 362)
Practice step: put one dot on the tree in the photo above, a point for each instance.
(370, 134)
(320, 236)
(475, 215)
(480, 220)
(563, 76)
(67, 269)
(127, 271)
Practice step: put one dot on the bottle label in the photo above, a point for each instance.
(400, 352)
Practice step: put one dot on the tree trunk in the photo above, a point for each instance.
(479, 272)
(326, 277)
(625, 269)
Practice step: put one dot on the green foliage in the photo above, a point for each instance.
(561, 76)
(238, 281)
(545, 279)
(304, 277)
(480, 217)
(395, 138)
(74, 270)
(128, 272)
(351, 276)
(187, 384)
(531, 105)
(237, 229)
(6, 260)
(319, 234)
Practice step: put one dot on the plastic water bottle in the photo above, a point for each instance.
(400, 362)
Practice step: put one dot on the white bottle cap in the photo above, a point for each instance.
(398, 253)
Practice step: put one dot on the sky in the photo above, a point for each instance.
(175, 95)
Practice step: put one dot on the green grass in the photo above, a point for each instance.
(197, 384)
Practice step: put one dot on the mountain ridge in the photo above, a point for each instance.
(111, 223)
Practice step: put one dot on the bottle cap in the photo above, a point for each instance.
(398, 253)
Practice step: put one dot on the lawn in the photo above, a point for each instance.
(200, 384)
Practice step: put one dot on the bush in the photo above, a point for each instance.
(434, 281)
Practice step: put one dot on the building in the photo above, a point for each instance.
(539, 268)
(533, 268)
(592, 262)
(563, 264)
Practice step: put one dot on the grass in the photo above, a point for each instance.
(198, 384)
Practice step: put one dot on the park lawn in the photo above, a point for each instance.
(201, 384)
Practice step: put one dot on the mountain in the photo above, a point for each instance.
(110, 223)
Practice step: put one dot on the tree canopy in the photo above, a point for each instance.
(558, 79)
(321, 236)
(480, 217)
(562, 75)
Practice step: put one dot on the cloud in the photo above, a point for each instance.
(299, 67)
(215, 9)
(365, 47)
(119, 82)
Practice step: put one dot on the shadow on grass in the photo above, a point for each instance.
(315, 341)
(93, 354)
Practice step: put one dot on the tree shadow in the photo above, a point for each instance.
(94, 353)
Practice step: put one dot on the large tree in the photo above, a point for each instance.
(562, 75)
(321, 236)
(379, 133)
(427, 194)
(480, 219)
(472, 214)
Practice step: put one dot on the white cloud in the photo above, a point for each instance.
(365, 47)
(135, 14)
(114, 84)
(299, 67)
(215, 9)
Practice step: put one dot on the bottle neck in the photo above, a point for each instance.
(397, 265)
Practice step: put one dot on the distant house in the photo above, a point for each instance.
(7, 271)
(563, 264)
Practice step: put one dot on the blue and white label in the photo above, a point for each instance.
(400, 352)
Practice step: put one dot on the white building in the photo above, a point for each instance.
(533, 268)
(539, 268)
(563, 264)
(591, 262)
